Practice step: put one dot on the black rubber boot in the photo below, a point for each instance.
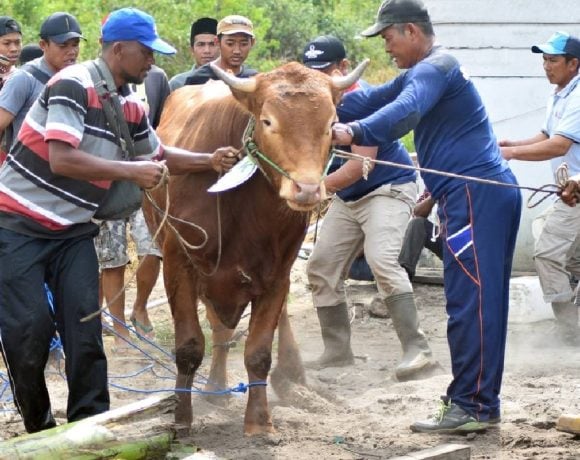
(417, 355)
(335, 328)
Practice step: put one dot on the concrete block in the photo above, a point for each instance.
(527, 301)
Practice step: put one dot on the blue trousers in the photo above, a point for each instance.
(479, 224)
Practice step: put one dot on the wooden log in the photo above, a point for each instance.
(442, 452)
(127, 432)
(569, 423)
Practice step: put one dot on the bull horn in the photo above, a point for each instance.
(341, 83)
(246, 85)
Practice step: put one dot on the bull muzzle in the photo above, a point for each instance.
(306, 194)
(302, 196)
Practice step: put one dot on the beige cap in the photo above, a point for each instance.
(235, 24)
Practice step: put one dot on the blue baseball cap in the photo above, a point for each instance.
(559, 43)
(131, 24)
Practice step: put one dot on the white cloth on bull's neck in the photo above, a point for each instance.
(240, 173)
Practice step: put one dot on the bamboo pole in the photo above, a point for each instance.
(126, 433)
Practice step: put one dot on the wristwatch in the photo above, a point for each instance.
(349, 130)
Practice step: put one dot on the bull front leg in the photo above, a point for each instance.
(266, 311)
(181, 287)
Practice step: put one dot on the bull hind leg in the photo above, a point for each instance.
(289, 368)
(266, 312)
(221, 340)
(181, 287)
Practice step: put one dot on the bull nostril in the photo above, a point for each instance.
(306, 193)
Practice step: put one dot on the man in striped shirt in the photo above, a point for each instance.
(54, 178)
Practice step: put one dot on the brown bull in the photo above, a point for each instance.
(253, 231)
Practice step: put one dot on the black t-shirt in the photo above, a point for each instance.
(204, 73)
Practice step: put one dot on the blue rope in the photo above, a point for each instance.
(136, 346)
(134, 374)
(201, 380)
(239, 388)
(55, 342)
(4, 388)
(9, 398)
(142, 337)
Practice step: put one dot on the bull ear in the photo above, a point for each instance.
(245, 85)
(342, 83)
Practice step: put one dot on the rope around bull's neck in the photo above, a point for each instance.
(186, 245)
(252, 150)
(548, 189)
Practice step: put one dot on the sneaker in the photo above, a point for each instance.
(450, 419)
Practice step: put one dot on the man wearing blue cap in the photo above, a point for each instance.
(556, 253)
(55, 178)
(60, 36)
(479, 222)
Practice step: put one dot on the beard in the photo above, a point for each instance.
(135, 79)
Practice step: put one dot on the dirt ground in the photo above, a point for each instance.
(359, 412)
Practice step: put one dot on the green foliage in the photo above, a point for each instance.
(282, 27)
(409, 142)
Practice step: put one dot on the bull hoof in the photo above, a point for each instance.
(255, 430)
(219, 400)
(182, 431)
(282, 378)
(183, 417)
(266, 439)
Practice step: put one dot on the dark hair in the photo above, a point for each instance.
(426, 27)
(569, 57)
(30, 52)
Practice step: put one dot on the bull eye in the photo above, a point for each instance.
(267, 122)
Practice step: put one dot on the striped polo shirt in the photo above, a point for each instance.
(35, 201)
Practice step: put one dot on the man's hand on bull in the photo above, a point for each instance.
(224, 159)
(342, 134)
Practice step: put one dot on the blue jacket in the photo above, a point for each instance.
(452, 129)
(353, 107)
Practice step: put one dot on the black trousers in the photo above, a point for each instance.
(418, 236)
(70, 268)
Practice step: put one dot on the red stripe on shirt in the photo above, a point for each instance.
(33, 141)
(9, 205)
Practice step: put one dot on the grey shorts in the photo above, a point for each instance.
(111, 242)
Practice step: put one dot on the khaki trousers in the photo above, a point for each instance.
(377, 223)
(557, 251)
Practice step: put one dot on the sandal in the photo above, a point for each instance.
(142, 330)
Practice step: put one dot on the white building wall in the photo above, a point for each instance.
(492, 40)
